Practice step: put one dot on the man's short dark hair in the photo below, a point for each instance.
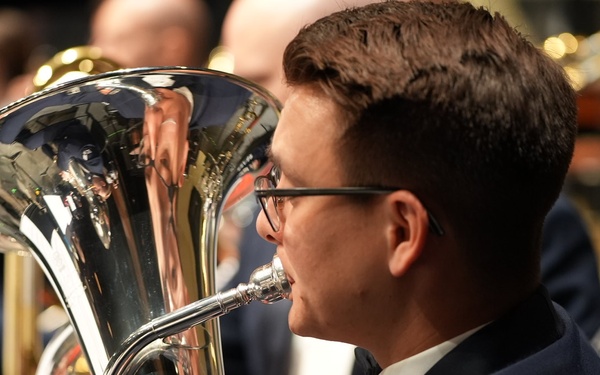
(453, 104)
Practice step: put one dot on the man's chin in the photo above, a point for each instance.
(305, 328)
(298, 324)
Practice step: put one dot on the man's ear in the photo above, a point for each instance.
(407, 232)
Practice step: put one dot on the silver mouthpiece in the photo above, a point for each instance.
(268, 283)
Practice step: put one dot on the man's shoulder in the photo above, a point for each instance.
(536, 337)
(570, 354)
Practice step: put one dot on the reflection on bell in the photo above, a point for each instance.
(116, 183)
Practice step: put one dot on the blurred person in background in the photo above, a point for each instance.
(153, 32)
(18, 41)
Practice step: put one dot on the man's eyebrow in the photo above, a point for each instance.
(288, 169)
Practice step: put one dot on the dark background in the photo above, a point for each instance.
(64, 23)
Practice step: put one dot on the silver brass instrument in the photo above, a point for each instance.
(23, 278)
(115, 183)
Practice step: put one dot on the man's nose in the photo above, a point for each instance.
(264, 229)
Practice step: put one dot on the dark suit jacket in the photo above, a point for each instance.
(569, 266)
(537, 337)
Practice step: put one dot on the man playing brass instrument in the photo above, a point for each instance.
(442, 138)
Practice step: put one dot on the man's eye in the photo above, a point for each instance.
(280, 202)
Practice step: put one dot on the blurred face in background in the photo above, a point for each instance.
(123, 36)
(152, 32)
(256, 33)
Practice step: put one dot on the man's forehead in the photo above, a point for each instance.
(307, 132)
(308, 113)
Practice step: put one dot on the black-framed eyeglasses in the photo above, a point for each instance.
(272, 199)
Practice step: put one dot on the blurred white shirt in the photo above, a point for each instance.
(312, 356)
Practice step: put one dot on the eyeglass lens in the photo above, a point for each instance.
(269, 203)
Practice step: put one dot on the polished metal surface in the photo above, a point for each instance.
(267, 284)
(115, 183)
(23, 278)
